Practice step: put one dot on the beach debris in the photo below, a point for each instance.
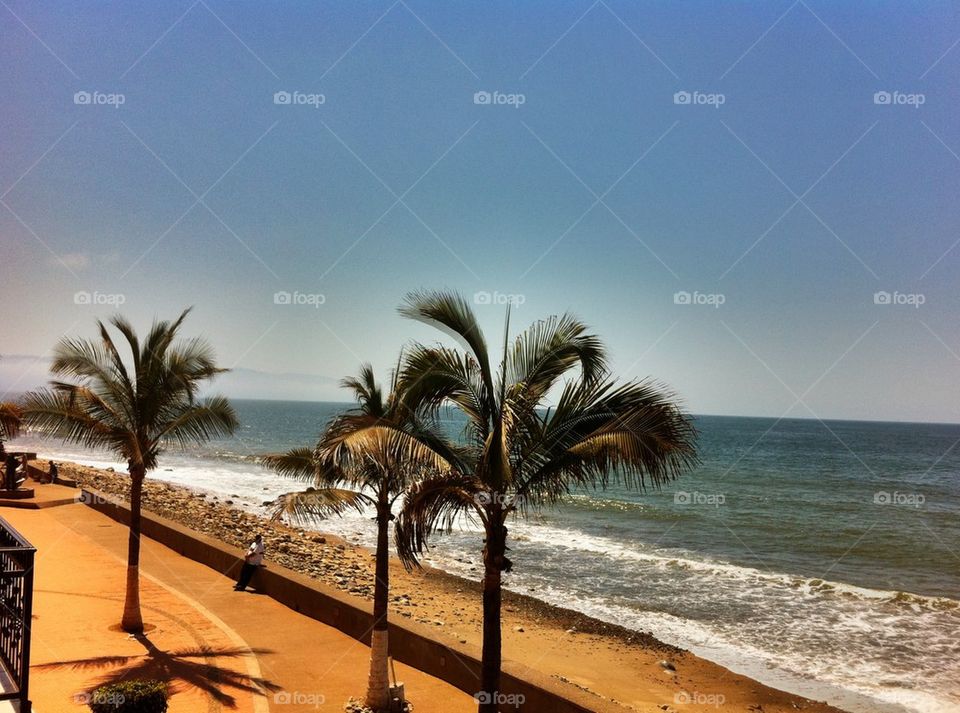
(518, 629)
(667, 665)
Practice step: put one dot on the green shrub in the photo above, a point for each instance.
(138, 696)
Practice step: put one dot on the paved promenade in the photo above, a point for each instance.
(222, 650)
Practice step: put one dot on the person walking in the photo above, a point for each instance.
(251, 561)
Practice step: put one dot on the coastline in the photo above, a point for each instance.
(613, 663)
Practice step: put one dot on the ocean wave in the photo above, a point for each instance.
(684, 560)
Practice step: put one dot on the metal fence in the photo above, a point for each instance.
(16, 606)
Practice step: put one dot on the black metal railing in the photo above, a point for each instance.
(16, 610)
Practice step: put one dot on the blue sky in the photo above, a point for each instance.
(782, 190)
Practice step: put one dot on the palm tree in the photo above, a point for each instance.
(10, 420)
(366, 457)
(134, 414)
(522, 454)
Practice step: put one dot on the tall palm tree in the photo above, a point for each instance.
(524, 455)
(367, 457)
(134, 409)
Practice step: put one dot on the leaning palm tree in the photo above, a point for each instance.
(522, 454)
(132, 408)
(10, 420)
(367, 457)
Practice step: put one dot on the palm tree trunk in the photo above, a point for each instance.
(132, 619)
(493, 558)
(378, 684)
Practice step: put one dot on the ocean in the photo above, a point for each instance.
(821, 558)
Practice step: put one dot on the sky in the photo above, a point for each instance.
(753, 203)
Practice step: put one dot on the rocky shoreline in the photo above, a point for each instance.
(619, 666)
(332, 560)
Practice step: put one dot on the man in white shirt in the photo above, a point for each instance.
(251, 560)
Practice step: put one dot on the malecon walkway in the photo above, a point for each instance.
(222, 650)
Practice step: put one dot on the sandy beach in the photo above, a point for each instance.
(618, 666)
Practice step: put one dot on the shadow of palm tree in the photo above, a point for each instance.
(182, 668)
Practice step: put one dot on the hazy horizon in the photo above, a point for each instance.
(248, 392)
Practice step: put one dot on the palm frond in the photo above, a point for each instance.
(390, 447)
(366, 390)
(432, 376)
(633, 433)
(11, 418)
(548, 350)
(297, 463)
(305, 506)
(434, 504)
(214, 417)
(450, 312)
(77, 415)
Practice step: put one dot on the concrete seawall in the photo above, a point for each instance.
(411, 643)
